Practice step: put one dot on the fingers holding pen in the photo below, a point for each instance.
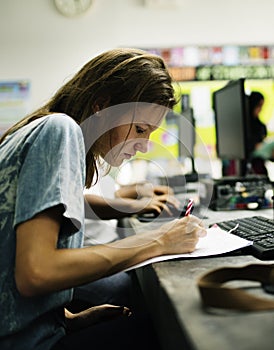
(190, 224)
(192, 231)
(182, 235)
(195, 225)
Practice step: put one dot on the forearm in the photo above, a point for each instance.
(41, 267)
(104, 260)
(99, 208)
(142, 189)
(66, 268)
(129, 191)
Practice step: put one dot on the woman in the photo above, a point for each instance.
(261, 150)
(258, 128)
(108, 110)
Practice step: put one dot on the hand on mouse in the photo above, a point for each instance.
(165, 204)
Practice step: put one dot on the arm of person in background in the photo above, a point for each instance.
(144, 189)
(98, 207)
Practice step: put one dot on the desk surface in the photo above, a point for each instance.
(171, 292)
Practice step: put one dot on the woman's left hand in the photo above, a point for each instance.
(94, 315)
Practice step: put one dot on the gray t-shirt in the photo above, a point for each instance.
(41, 165)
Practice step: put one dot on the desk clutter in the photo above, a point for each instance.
(227, 193)
(236, 193)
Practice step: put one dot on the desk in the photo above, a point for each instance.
(173, 299)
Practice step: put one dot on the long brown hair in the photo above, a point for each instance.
(115, 77)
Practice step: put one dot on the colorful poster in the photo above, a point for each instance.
(14, 102)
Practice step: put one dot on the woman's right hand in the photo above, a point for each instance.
(180, 235)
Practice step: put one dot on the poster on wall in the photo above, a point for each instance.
(14, 102)
(204, 63)
(200, 70)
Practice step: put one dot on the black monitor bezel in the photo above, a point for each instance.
(244, 152)
(184, 121)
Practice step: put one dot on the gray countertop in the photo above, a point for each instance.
(172, 295)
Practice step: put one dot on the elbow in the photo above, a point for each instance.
(29, 282)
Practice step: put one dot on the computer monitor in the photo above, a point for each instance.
(231, 123)
(185, 123)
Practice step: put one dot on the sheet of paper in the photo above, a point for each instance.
(217, 241)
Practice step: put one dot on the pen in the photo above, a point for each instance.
(189, 207)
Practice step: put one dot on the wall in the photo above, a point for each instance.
(40, 44)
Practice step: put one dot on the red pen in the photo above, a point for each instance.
(189, 207)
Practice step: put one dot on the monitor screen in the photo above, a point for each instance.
(184, 131)
(231, 121)
(187, 135)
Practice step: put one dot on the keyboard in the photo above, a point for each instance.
(258, 229)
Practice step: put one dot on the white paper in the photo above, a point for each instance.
(217, 241)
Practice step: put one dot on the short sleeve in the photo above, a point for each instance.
(53, 171)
